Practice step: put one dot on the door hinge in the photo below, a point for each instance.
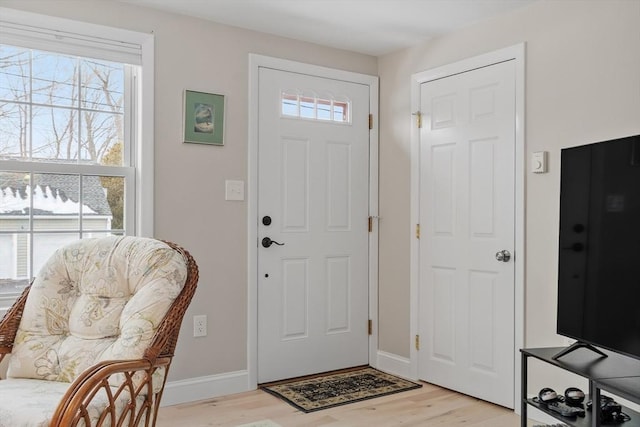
(417, 342)
(417, 231)
(370, 327)
(370, 121)
(418, 115)
(370, 224)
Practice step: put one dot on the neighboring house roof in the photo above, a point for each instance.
(54, 194)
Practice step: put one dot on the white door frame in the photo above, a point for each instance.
(255, 63)
(517, 53)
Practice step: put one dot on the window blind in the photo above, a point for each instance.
(65, 36)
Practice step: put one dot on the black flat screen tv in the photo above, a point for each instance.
(599, 246)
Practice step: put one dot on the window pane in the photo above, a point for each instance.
(102, 85)
(15, 202)
(338, 111)
(57, 120)
(289, 104)
(101, 137)
(324, 109)
(14, 73)
(9, 285)
(56, 203)
(14, 130)
(45, 244)
(104, 195)
(55, 133)
(307, 107)
(341, 111)
(55, 79)
(14, 264)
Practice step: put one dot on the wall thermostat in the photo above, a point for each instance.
(539, 162)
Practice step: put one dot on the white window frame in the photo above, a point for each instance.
(71, 37)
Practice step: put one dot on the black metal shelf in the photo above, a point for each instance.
(616, 374)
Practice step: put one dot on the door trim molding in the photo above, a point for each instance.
(255, 63)
(517, 54)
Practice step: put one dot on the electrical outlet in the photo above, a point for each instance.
(200, 325)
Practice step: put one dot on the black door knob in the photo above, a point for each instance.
(266, 220)
(267, 242)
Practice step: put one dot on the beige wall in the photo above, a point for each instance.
(189, 179)
(582, 85)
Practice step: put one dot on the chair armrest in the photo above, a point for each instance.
(11, 320)
(136, 389)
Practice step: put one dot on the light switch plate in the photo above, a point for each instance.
(234, 190)
(539, 162)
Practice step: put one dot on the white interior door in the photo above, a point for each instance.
(467, 215)
(313, 185)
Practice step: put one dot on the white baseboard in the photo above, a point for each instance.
(394, 364)
(201, 388)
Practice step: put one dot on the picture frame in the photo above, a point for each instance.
(203, 121)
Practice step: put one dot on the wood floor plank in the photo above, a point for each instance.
(426, 406)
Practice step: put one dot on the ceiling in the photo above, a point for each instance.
(373, 27)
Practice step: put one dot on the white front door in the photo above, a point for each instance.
(467, 213)
(313, 200)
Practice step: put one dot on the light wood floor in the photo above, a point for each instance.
(427, 406)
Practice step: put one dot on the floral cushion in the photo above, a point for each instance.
(33, 402)
(94, 300)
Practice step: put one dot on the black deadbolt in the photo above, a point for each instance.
(266, 220)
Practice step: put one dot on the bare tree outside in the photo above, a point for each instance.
(59, 107)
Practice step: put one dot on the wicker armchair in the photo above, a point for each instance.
(57, 386)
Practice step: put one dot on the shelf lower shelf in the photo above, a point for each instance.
(586, 420)
(615, 375)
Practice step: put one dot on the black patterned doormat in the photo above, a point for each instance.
(328, 391)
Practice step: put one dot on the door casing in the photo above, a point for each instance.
(516, 53)
(255, 63)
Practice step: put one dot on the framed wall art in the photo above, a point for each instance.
(203, 118)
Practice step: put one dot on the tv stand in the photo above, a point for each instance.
(616, 374)
(576, 345)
